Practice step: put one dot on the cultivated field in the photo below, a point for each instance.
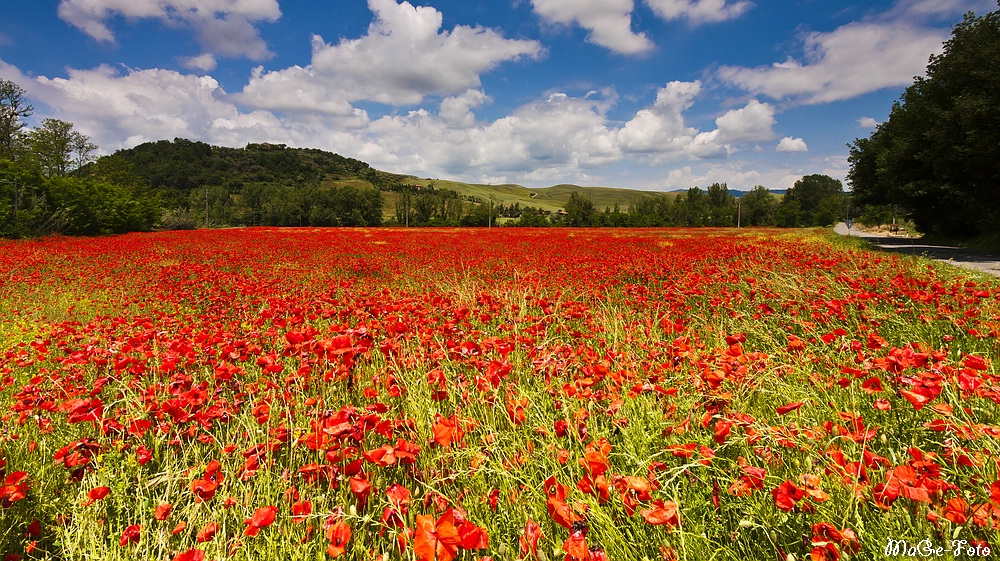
(493, 394)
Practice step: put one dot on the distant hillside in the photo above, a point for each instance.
(545, 198)
(174, 169)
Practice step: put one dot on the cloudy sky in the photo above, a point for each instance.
(646, 94)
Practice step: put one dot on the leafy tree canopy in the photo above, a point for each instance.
(814, 200)
(938, 154)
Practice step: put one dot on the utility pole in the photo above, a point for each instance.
(206, 207)
(489, 218)
(739, 211)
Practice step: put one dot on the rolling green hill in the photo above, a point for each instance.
(546, 198)
(175, 169)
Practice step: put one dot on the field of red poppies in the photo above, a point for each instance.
(493, 394)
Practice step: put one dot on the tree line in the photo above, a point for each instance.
(814, 200)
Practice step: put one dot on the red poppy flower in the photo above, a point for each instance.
(788, 408)
(559, 511)
(96, 494)
(957, 510)
(435, 541)
(339, 535)
(130, 535)
(262, 518)
(576, 546)
(162, 511)
(662, 513)
(207, 532)
(529, 539)
(190, 555)
(786, 495)
(300, 510)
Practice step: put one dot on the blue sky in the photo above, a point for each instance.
(644, 94)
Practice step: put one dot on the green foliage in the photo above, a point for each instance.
(580, 209)
(532, 217)
(35, 205)
(260, 185)
(722, 205)
(178, 167)
(716, 207)
(757, 208)
(814, 200)
(938, 154)
(57, 149)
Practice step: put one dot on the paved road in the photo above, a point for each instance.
(954, 255)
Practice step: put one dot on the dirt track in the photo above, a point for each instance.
(984, 262)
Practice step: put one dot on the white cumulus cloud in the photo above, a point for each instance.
(699, 11)
(789, 144)
(850, 61)
(404, 57)
(660, 128)
(222, 27)
(608, 21)
(121, 110)
(867, 123)
(752, 122)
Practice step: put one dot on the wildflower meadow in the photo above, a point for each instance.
(503, 394)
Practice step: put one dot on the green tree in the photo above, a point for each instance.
(938, 154)
(757, 208)
(58, 148)
(532, 217)
(814, 200)
(580, 209)
(14, 108)
(691, 208)
(721, 205)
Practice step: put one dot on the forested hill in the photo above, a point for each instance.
(175, 169)
(272, 184)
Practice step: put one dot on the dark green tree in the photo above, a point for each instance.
(757, 208)
(691, 209)
(814, 200)
(938, 154)
(581, 210)
(721, 205)
(532, 217)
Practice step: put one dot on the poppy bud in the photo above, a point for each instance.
(353, 510)
(502, 550)
(745, 523)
